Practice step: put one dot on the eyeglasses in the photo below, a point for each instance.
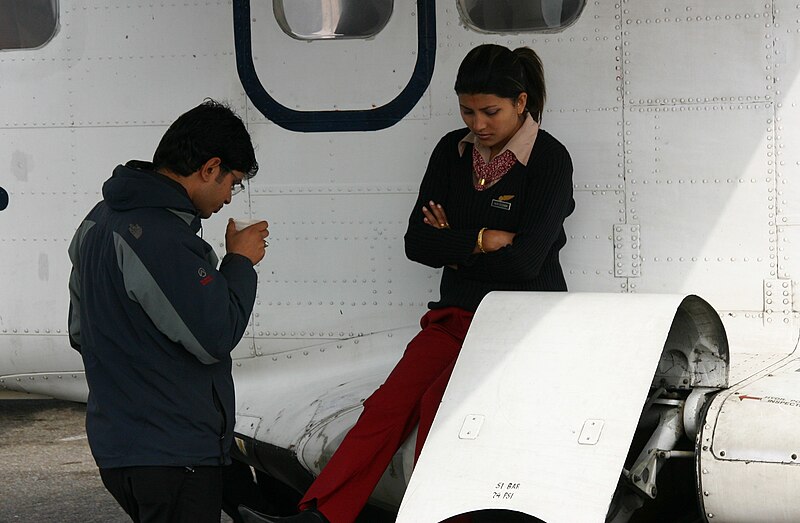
(237, 187)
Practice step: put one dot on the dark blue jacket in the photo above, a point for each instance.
(155, 322)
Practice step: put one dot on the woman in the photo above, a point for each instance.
(490, 210)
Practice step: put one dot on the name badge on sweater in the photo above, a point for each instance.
(503, 202)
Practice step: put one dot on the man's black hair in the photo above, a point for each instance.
(209, 130)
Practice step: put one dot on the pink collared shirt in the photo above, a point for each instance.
(520, 144)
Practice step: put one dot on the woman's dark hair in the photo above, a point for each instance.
(494, 69)
(209, 130)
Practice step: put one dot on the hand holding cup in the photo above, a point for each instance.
(248, 238)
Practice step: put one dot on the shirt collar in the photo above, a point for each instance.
(520, 144)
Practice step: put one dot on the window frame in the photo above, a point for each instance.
(469, 23)
(280, 16)
(56, 12)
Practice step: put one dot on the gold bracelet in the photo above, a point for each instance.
(480, 240)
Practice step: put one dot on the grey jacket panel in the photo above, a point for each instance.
(144, 290)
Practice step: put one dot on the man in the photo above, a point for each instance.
(155, 320)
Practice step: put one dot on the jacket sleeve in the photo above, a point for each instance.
(74, 318)
(428, 245)
(175, 280)
(540, 226)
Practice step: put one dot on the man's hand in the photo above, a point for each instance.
(250, 242)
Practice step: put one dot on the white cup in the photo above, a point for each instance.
(243, 223)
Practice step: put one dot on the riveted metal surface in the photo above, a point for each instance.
(119, 144)
(778, 301)
(123, 30)
(789, 262)
(347, 163)
(599, 133)
(136, 106)
(714, 188)
(37, 264)
(303, 378)
(22, 354)
(32, 167)
(724, 52)
(627, 258)
(759, 420)
(594, 40)
(786, 60)
(749, 432)
(377, 276)
(588, 256)
(754, 343)
(42, 99)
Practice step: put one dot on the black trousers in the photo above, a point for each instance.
(167, 494)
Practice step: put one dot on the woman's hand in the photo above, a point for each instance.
(491, 239)
(494, 240)
(435, 216)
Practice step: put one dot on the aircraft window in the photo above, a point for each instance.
(504, 16)
(332, 19)
(27, 24)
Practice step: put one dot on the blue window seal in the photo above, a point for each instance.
(337, 121)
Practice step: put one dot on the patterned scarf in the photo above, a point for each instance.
(488, 173)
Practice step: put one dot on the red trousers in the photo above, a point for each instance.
(410, 395)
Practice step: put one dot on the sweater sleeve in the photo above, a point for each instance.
(543, 221)
(428, 245)
(191, 302)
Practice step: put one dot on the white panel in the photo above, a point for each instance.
(581, 63)
(118, 85)
(703, 200)
(754, 343)
(45, 216)
(788, 159)
(105, 60)
(389, 160)
(114, 30)
(787, 65)
(511, 370)
(588, 257)
(117, 144)
(338, 259)
(38, 159)
(334, 74)
(38, 96)
(592, 79)
(594, 141)
(35, 272)
(686, 53)
(60, 172)
(789, 259)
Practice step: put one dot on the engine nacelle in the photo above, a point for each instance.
(748, 450)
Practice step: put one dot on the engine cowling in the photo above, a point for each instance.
(748, 450)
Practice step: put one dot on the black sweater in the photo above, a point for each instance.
(531, 200)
